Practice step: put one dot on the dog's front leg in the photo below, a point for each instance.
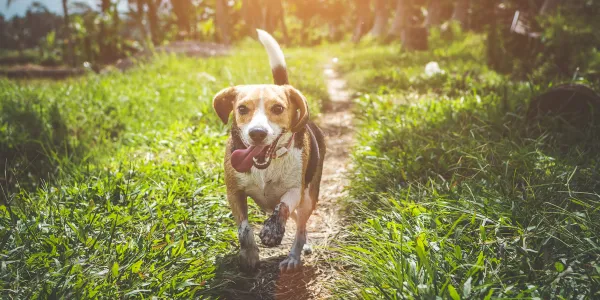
(293, 261)
(274, 227)
(249, 259)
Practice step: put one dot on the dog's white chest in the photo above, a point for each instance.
(267, 186)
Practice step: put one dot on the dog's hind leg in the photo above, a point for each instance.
(304, 210)
(249, 258)
(274, 227)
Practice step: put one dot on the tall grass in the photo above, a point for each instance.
(130, 202)
(455, 194)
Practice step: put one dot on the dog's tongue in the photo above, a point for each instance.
(241, 159)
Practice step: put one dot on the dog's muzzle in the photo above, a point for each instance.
(260, 157)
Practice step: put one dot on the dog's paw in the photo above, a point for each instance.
(274, 227)
(290, 264)
(249, 260)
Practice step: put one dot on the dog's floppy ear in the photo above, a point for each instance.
(223, 103)
(299, 101)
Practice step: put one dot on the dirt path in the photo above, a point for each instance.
(323, 226)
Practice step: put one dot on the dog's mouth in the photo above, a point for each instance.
(242, 160)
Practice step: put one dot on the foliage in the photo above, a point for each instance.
(455, 194)
(141, 210)
(548, 58)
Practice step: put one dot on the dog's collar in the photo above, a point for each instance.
(283, 150)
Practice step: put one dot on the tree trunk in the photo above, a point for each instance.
(403, 7)
(549, 6)
(282, 22)
(492, 37)
(433, 13)
(362, 17)
(182, 9)
(116, 23)
(253, 15)
(274, 16)
(335, 19)
(222, 24)
(71, 51)
(381, 19)
(104, 42)
(153, 20)
(461, 12)
(139, 16)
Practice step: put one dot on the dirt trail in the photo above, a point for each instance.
(323, 226)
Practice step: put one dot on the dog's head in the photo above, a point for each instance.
(262, 113)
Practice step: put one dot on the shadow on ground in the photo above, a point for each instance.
(266, 283)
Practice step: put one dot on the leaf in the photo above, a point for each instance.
(559, 266)
(186, 284)
(467, 287)
(115, 269)
(453, 293)
(457, 252)
(489, 295)
(137, 292)
(136, 266)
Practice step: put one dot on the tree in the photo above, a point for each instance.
(381, 19)
(403, 9)
(362, 17)
(70, 54)
(136, 11)
(182, 9)
(253, 17)
(274, 16)
(433, 13)
(222, 21)
(153, 20)
(461, 12)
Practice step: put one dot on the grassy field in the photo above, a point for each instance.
(455, 194)
(115, 190)
(115, 181)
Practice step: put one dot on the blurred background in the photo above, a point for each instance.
(522, 35)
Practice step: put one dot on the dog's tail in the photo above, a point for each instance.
(276, 59)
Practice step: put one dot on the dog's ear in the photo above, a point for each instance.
(223, 103)
(299, 101)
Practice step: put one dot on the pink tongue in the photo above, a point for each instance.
(241, 159)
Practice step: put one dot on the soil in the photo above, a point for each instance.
(323, 226)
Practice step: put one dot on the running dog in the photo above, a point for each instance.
(274, 155)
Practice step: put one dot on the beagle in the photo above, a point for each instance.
(274, 155)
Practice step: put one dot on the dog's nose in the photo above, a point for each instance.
(258, 134)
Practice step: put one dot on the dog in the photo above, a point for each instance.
(274, 155)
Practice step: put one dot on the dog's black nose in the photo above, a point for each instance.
(258, 134)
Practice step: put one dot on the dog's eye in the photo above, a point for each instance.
(242, 109)
(277, 109)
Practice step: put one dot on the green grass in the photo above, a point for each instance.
(115, 183)
(455, 194)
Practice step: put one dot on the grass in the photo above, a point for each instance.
(112, 185)
(455, 194)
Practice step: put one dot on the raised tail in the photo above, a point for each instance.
(276, 58)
